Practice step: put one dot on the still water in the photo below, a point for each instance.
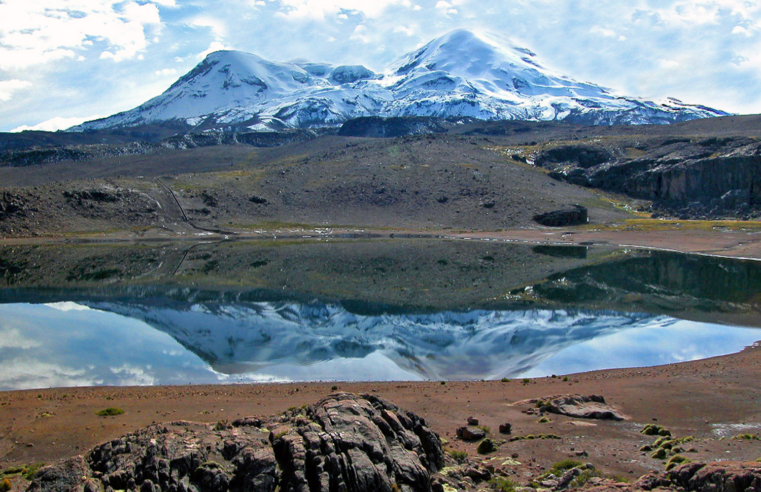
(359, 310)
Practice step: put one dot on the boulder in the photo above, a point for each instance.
(575, 215)
(505, 428)
(470, 433)
(344, 442)
(586, 407)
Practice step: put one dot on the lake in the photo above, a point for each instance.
(359, 309)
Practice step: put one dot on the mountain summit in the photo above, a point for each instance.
(461, 74)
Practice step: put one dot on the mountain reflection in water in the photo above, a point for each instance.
(181, 313)
(131, 343)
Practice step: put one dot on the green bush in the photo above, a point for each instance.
(659, 454)
(564, 465)
(747, 437)
(109, 412)
(655, 430)
(502, 484)
(458, 456)
(583, 478)
(487, 446)
(675, 461)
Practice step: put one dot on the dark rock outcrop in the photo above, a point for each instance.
(344, 442)
(718, 477)
(575, 215)
(586, 407)
(10, 204)
(471, 433)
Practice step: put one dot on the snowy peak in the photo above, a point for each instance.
(464, 52)
(461, 74)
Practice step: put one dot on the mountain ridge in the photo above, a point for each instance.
(460, 74)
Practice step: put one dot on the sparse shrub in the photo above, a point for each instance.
(675, 461)
(458, 456)
(526, 381)
(655, 430)
(565, 379)
(502, 484)
(505, 380)
(487, 446)
(5, 485)
(333, 388)
(109, 412)
(30, 471)
(443, 383)
(659, 454)
(221, 425)
(563, 466)
(485, 428)
(747, 437)
(544, 420)
(583, 478)
(646, 448)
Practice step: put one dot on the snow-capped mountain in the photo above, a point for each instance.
(461, 74)
(331, 342)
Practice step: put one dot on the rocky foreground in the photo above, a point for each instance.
(347, 442)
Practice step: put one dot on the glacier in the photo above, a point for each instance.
(463, 74)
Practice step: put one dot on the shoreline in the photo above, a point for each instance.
(710, 399)
(740, 245)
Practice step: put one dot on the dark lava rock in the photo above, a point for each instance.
(587, 407)
(718, 477)
(344, 442)
(576, 215)
(258, 200)
(580, 155)
(378, 127)
(10, 204)
(471, 433)
(505, 428)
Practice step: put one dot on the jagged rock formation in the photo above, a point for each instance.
(695, 179)
(343, 443)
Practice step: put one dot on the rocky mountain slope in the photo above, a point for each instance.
(461, 74)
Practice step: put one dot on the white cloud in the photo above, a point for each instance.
(12, 338)
(321, 9)
(409, 31)
(55, 124)
(8, 87)
(166, 71)
(214, 46)
(36, 33)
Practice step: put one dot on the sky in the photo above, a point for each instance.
(66, 61)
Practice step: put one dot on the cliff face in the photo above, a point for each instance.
(709, 178)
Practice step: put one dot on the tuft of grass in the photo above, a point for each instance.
(221, 425)
(485, 428)
(502, 484)
(109, 412)
(458, 456)
(675, 461)
(5, 485)
(544, 420)
(565, 379)
(655, 430)
(487, 446)
(564, 465)
(747, 437)
(584, 477)
(660, 454)
(505, 380)
(526, 381)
